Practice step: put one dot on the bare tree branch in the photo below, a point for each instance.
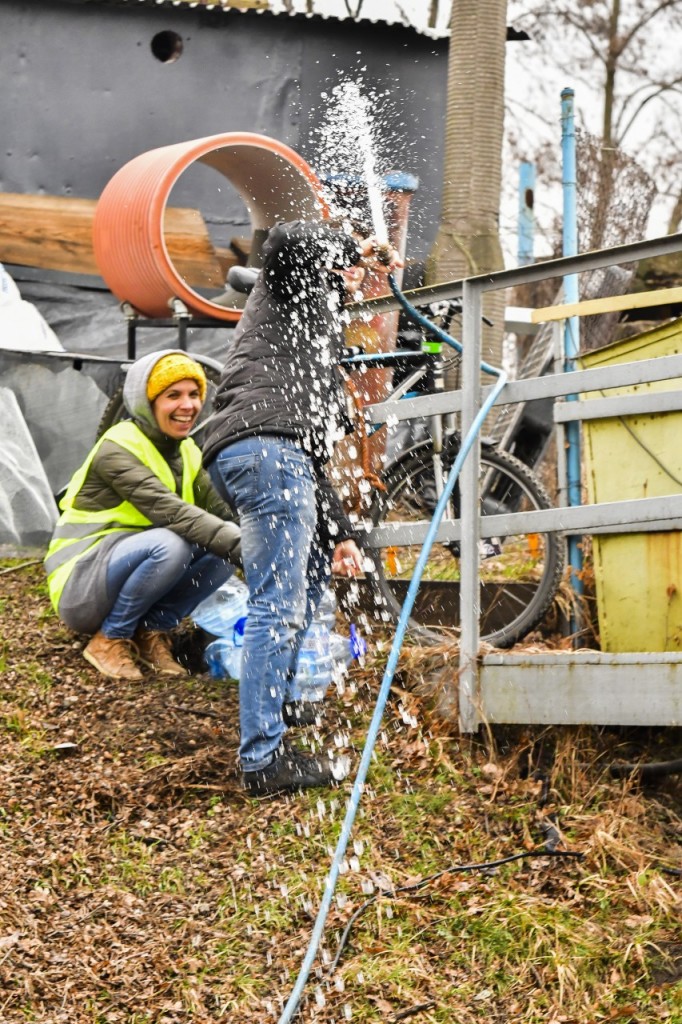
(621, 55)
(655, 94)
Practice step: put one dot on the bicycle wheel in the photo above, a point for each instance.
(115, 410)
(520, 574)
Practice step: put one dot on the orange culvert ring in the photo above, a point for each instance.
(274, 182)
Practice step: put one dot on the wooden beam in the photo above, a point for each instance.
(55, 233)
(608, 304)
(190, 248)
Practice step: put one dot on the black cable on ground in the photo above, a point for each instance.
(453, 869)
(645, 770)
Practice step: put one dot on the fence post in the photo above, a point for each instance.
(571, 330)
(526, 229)
(469, 584)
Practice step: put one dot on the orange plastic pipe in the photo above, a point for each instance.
(274, 182)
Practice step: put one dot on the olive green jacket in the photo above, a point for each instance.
(116, 475)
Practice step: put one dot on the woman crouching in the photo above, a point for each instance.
(143, 537)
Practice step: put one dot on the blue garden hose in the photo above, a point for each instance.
(330, 884)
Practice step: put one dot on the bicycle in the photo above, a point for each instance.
(520, 575)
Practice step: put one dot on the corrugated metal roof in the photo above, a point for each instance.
(262, 7)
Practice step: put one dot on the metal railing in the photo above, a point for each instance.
(614, 517)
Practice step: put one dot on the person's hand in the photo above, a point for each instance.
(347, 559)
(380, 256)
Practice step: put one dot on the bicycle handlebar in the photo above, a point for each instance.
(242, 279)
(382, 360)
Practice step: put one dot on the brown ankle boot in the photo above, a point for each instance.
(155, 651)
(113, 657)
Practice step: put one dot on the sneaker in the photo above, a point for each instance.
(292, 770)
(301, 712)
(113, 657)
(156, 653)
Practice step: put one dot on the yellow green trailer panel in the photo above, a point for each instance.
(638, 576)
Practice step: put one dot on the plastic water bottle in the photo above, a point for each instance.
(316, 662)
(357, 643)
(223, 608)
(223, 614)
(314, 669)
(224, 655)
(326, 610)
(324, 653)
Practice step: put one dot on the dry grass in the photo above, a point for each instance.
(139, 885)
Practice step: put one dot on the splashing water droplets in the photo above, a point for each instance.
(347, 148)
(320, 998)
(362, 126)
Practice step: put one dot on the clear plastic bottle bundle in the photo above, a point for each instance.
(219, 612)
(224, 615)
(314, 668)
(223, 656)
(324, 653)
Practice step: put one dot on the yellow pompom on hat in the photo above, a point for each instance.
(172, 368)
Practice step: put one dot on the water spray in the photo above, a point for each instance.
(372, 179)
(361, 125)
(358, 786)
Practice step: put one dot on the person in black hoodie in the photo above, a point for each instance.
(278, 413)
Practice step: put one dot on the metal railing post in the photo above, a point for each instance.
(571, 332)
(526, 230)
(469, 593)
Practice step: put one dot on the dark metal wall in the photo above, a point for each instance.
(81, 94)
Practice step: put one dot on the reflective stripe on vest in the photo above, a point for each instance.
(78, 531)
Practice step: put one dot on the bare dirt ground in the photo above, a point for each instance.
(139, 884)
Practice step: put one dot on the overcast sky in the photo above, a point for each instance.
(532, 113)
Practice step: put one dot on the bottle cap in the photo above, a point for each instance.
(358, 644)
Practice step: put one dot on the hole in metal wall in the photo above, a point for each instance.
(167, 46)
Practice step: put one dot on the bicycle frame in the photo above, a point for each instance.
(430, 362)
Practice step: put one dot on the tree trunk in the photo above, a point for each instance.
(613, 55)
(468, 241)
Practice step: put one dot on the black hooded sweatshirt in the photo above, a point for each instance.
(281, 373)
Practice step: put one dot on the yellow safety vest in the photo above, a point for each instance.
(78, 531)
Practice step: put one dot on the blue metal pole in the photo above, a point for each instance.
(572, 327)
(526, 228)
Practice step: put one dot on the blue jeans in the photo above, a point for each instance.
(270, 481)
(158, 579)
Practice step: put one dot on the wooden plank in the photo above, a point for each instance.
(55, 233)
(190, 248)
(52, 232)
(608, 304)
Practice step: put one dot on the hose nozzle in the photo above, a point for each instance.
(384, 253)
